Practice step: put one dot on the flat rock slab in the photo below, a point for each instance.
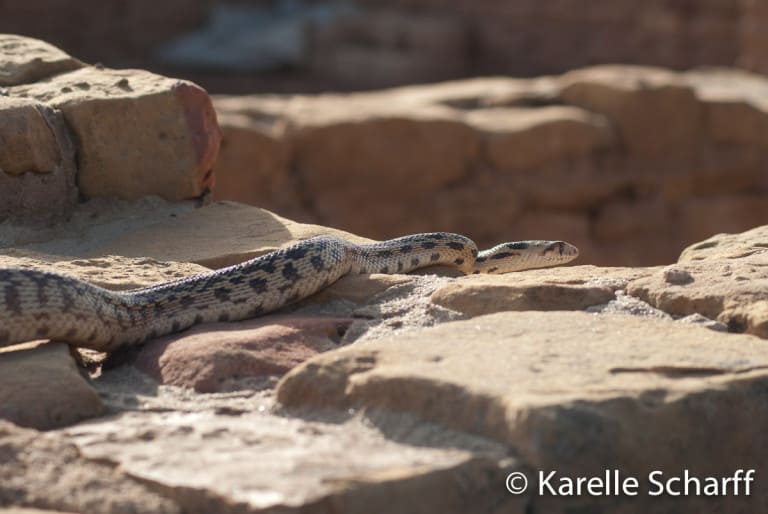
(41, 387)
(261, 463)
(209, 358)
(216, 235)
(569, 391)
(49, 472)
(213, 236)
(110, 272)
(563, 288)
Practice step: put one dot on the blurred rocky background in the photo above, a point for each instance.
(630, 162)
(251, 46)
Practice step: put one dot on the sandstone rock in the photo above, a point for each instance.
(110, 272)
(338, 160)
(29, 145)
(543, 134)
(150, 233)
(291, 465)
(326, 186)
(91, 224)
(37, 166)
(215, 357)
(727, 246)
(359, 288)
(121, 133)
(48, 472)
(41, 387)
(256, 169)
(429, 146)
(733, 291)
(605, 172)
(735, 105)
(570, 288)
(653, 109)
(137, 133)
(146, 242)
(217, 235)
(23, 60)
(571, 392)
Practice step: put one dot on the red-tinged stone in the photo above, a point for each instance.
(203, 130)
(207, 357)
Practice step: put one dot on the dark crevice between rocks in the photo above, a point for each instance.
(686, 371)
(530, 99)
(672, 371)
(737, 325)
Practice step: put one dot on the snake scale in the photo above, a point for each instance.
(43, 305)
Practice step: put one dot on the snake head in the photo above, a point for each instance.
(522, 255)
(559, 251)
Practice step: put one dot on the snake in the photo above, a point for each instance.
(37, 304)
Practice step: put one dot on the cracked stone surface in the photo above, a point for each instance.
(572, 392)
(48, 471)
(184, 444)
(724, 278)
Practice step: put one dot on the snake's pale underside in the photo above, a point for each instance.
(43, 305)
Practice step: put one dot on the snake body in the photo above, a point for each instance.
(43, 305)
